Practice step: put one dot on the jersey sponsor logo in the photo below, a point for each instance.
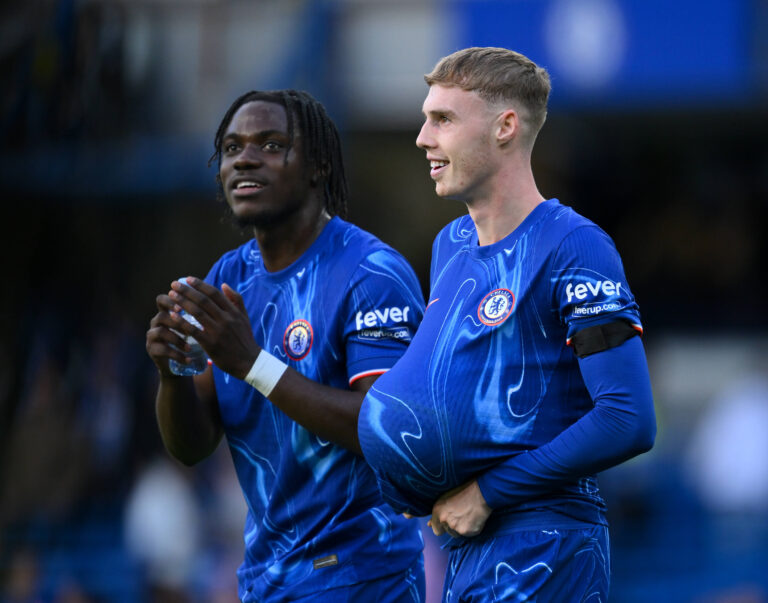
(596, 308)
(401, 333)
(496, 307)
(590, 288)
(297, 340)
(379, 316)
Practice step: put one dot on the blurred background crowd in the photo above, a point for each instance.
(657, 132)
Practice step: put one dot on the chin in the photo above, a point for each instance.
(264, 219)
(251, 221)
(445, 193)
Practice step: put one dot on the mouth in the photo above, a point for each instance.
(244, 188)
(437, 166)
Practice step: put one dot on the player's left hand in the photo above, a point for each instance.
(226, 335)
(460, 512)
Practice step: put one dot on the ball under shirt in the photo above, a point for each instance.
(489, 373)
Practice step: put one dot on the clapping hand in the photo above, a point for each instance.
(226, 334)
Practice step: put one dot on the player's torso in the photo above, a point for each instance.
(488, 373)
(305, 495)
(288, 474)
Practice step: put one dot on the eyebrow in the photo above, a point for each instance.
(260, 134)
(435, 112)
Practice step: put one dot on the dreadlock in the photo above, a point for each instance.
(321, 144)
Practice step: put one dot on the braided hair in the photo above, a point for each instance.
(321, 144)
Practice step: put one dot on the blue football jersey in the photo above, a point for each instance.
(316, 520)
(489, 373)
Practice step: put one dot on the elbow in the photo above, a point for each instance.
(636, 428)
(634, 434)
(189, 460)
(644, 437)
(645, 443)
(185, 457)
(188, 455)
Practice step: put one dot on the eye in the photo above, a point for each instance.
(230, 147)
(272, 146)
(443, 119)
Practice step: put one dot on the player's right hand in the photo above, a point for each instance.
(225, 331)
(162, 341)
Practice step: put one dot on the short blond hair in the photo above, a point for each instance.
(497, 75)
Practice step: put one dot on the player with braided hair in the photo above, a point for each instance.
(325, 305)
(322, 147)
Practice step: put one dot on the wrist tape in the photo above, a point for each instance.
(265, 373)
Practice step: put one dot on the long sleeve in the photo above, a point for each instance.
(621, 425)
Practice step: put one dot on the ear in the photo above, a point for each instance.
(507, 127)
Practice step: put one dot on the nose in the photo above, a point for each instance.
(248, 157)
(424, 140)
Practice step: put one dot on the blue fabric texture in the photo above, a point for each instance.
(489, 380)
(316, 519)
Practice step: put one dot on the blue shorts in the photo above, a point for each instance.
(563, 565)
(407, 586)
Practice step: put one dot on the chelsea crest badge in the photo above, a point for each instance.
(297, 340)
(496, 307)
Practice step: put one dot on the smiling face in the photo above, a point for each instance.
(458, 137)
(262, 171)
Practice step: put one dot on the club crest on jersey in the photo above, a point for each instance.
(496, 307)
(297, 340)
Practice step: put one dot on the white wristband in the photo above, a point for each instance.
(265, 373)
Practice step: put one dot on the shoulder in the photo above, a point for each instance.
(366, 272)
(560, 220)
(348, 236)
(358, 246)
(562, 230)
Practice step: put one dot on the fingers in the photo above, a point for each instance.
(205, 302)
(234, 297)
(163, 343)
(439, 528)
(164, 303)
(200, 285)
(455, 525)
(203, 294)
(164, 325)
(165, 337)
(193, 302)
(445, 520)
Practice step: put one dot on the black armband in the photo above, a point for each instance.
(601, 337)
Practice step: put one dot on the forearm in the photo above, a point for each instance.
(190, 427)
(621, 425)
(328, 412)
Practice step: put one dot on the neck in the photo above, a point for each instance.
(283, 243)
(510, 197)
